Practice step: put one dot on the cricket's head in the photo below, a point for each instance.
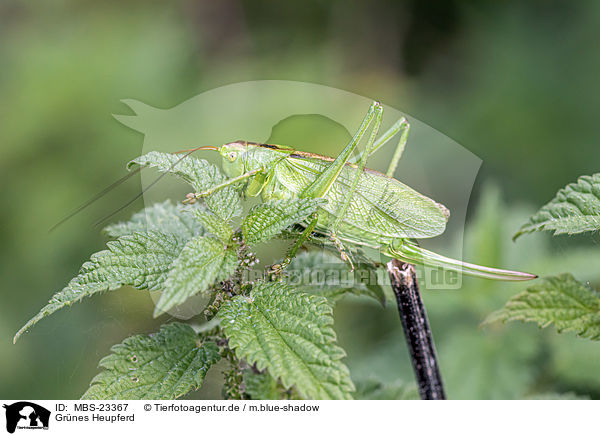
(241, 156)
(234, 158)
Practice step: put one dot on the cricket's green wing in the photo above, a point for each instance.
(382, 207)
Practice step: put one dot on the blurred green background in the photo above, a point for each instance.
(517, 84)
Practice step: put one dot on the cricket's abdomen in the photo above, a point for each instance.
(380, 210)
(350, 233)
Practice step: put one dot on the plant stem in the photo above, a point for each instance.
(416, 329)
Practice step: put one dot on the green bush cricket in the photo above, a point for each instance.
(364, 207)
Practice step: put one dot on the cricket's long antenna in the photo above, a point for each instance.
(96, 197)
(191, 150)
(187, 153)
(123, 179)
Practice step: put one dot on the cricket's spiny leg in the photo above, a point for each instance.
(342, 250)
(404, 129)
(277, 268)
(399, 126)
(341, 212)
(321, 185)
(232, 181)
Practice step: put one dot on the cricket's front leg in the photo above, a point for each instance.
(192, 197)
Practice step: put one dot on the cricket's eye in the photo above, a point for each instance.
(232, 155)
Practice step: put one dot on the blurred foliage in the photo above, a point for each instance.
(498, 361)
(514, 82)
(372, 389)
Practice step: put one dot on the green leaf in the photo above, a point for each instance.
(562, 300)
(161, 366)
(200, 174)
(163, 217)
(142, 260)
(201, 264)
(213, 225)
(372, 389)
(290, 334)
(266, 220)
(229, 265)
(262, 386)
(321, 273)
(575, 209)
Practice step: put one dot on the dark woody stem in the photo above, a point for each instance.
(416, 329)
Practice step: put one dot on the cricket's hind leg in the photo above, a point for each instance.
(401, 127)
(344, 255)
(340, 213)
(323, 182)
(277, 268)
(407, 251)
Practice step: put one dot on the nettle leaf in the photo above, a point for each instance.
(321, 273)
(142, 260)
(163, 217)
(290, 334)
(575, 209)
(372, 389)
(562, 300)
(202, 262)
(160, 366)
(200, 174)
(266, 220)
(229, 265)
(262, 386)
(213, 224)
